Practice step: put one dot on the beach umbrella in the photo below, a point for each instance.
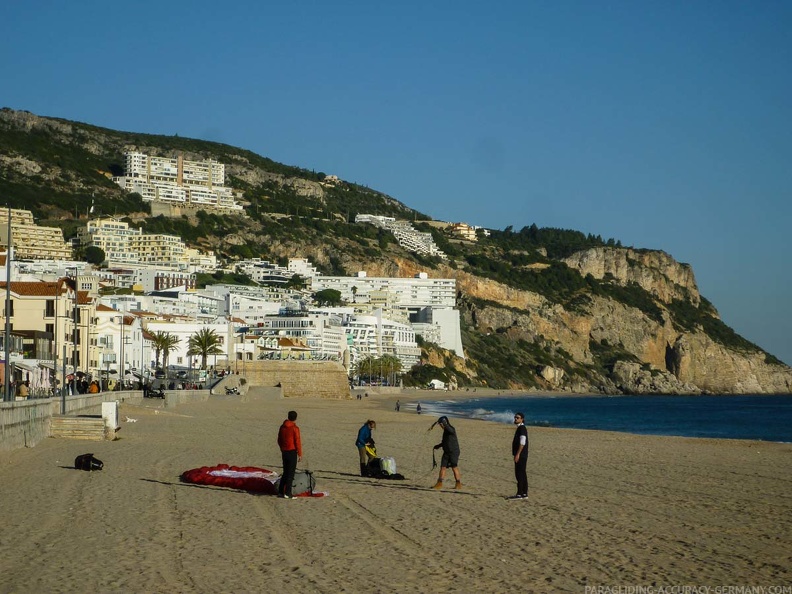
(33, 378)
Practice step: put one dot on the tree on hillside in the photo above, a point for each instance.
(328, 297)
(205, 342)
(94, 255)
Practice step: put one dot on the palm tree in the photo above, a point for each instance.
(366, 366)
(205, 342)
(164, 343)
(390, 367)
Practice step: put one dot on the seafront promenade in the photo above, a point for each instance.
(605, 509)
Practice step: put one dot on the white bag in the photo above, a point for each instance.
(388, 464)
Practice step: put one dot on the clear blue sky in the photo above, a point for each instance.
(666, 125)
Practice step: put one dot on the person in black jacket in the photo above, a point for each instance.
(450, 445)
(520, 454)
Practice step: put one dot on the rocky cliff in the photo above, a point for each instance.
(655, 271)
(661, 358)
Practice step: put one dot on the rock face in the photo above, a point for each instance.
(655, 271)
(552, 375)
(632, 378)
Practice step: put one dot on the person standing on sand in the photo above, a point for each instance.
(450, 459)
(363, 439)
(418, 408)
(397, 406)
(520, 454)
(291, 453)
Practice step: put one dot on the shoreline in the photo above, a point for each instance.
(387, 401)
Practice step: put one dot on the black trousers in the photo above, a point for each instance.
(289, 466)
(521, 474)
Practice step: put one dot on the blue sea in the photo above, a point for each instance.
(766, 418)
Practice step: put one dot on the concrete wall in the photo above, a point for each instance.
(300, 379)
(24, 423)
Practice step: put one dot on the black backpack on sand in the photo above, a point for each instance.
(88, 462)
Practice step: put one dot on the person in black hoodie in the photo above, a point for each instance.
(450, 445)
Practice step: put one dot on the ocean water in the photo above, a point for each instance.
(766, 418)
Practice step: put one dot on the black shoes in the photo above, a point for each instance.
(517, 497)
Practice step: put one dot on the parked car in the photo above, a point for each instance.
(159, 374)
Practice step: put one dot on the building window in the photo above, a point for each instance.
(49, 310)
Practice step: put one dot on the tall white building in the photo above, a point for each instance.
(320, 331)
(178, 181)
(429, 303)
(126, 246)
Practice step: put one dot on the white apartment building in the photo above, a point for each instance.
(154, 278)
(119, 344)
(198, 261)
(164, 251)
(252, 309)
(321, 332)
(30, 240)
(408, 293)
(126, 246)
(252, 303)
(302, 267)
(416, 298)
(376, 336)
(410, 239)
(178, 181)
(263, 271)
(113, 238)
(45, 270)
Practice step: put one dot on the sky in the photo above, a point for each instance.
(665, 125)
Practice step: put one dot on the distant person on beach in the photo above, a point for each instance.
(418, 408)
(398, 406)
(291, 453)
(363, 439)
(450, 459)
(520, 454)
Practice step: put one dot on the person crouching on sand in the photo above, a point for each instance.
(450, 445)
(363, 439)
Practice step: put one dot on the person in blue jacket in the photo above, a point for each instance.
(364, 438)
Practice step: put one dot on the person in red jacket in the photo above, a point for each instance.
(291, 453)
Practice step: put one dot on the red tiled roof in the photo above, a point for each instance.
(44, 289)
(33, 288)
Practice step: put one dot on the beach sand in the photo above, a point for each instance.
(605, 509)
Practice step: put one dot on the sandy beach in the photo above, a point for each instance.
(605, 509)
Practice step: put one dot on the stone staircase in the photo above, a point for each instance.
(88, 427)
